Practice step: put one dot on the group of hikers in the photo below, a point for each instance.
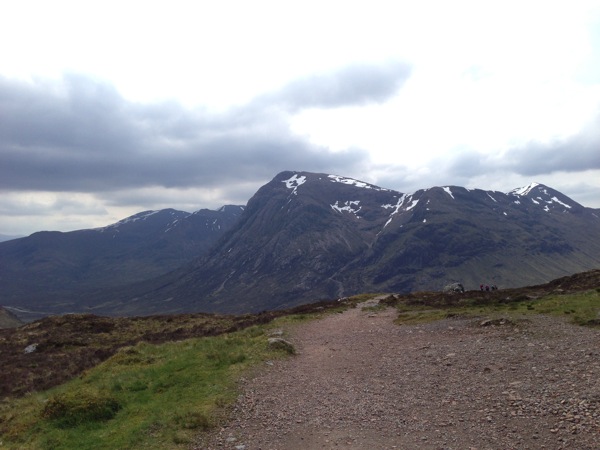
(458, 287)
(487, 287)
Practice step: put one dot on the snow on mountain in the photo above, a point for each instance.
(294, 182)
(524, 190)
(353, 182)
(543, 196)
(349, 206)
(448, 191)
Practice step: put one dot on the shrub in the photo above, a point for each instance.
(74, 408)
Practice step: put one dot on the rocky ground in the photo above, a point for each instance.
(361, 382)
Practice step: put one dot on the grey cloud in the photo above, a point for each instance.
(81, 135)
(573, 154)
(576, 153)
(467, 163)
(353, 85)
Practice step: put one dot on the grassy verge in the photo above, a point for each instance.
(582, 308)
(146, 396)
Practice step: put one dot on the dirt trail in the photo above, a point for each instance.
(361, 382)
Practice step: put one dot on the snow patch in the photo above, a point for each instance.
(294, 182)
(554, 199)
(412, 205)
(348, 206)
(524, 190)
(492, 198)
(353, 182)
(447, 189)
(398, 206)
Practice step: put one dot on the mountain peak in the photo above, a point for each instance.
(546, 197)
(294, 179)
(525, 190)
(146, 217)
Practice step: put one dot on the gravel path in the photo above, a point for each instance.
(361, 382)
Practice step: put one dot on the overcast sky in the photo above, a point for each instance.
(108, 108)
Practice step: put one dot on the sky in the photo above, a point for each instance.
(109, 108)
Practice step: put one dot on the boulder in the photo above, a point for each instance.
(282, 344)
(454, 287)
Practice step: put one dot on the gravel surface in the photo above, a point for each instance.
(361, 382)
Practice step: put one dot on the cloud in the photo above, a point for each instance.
(81, 135)
(579, 152)
(76, 153)
(28, 204)
(576, 153)
(354, 85)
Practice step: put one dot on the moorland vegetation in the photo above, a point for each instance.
(89, 382)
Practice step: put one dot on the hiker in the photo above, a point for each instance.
(481, 287)
(487, 288)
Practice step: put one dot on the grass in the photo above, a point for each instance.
(582, 308)
(145, 396)
(374, 308)
(414, 317)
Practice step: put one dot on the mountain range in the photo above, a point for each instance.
(40, 269)
(308, 236)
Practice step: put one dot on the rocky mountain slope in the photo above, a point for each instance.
(306, 236)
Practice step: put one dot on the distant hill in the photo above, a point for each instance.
(43, 268)
(307, 236)
(5, 237)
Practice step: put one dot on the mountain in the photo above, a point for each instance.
(307, 236)
(5, 237)
(43, 268)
